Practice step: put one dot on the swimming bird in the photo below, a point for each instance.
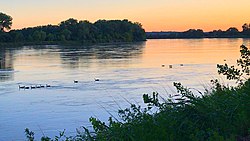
(32, 87)
(21, 87)
(38, 86)
(181, 65)
(97, 79)
(42, 86)
(170, 66)
(47, 85)
(163, 65)
(75, 81)
(26, 87)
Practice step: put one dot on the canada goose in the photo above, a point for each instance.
(21, 87)
(75, 81)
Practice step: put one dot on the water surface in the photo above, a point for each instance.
(126, 71)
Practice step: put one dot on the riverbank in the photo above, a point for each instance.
(222, 114)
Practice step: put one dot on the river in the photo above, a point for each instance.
(125, 71)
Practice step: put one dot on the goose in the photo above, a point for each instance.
(21, 87)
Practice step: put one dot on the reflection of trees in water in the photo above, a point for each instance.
(74, 57)
(246, 41)
(6, 65)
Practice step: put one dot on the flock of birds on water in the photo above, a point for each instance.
(170, 66)
(34, 86)
(39, 86)
(75, 81)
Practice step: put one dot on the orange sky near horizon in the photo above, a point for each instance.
(155, 15)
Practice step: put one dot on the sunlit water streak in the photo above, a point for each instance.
(126, 71)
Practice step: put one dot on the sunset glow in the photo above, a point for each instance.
(160, 15)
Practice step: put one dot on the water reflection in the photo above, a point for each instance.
(74, 57)
(50, 58)
(246, 41)
(6, 65)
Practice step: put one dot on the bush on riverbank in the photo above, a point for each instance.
(223, 114)
(220, 113)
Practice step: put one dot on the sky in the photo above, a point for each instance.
(155, 15)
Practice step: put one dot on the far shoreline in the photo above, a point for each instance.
(67, 43)
(193, 33)
(75, 43)
(199, 38)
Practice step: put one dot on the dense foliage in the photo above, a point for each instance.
(232, 32)
(5, 22)
(221, 113)
(71, 30)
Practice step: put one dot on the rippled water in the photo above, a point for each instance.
(126, 71)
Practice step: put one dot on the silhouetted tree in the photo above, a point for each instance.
(192, 33)
(50, 37)
(232, 32)
(68, 23)
(5, 22)
(39, 35)
(246, 29)
(17, 36)
(79, 31)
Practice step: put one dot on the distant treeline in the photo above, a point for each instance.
(72, 30)
(232, 32)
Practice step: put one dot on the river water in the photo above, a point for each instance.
(125, 71)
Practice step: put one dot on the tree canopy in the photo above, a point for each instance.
(72, 30)
(5, 22)
(231, 32)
